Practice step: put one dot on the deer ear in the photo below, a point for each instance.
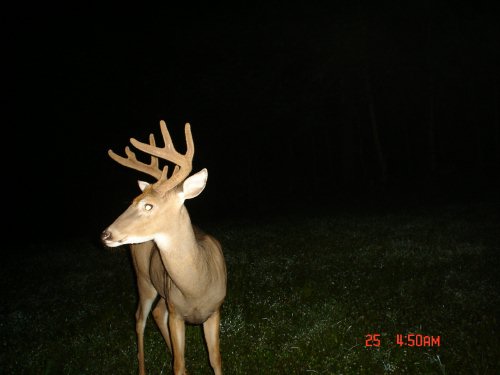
(195, 184)
(142, 185)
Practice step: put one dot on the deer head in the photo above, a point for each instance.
(156, 211)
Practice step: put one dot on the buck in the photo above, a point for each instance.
(172, 258)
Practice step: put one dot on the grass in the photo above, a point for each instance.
(303, 293)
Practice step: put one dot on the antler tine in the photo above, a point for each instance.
(166, 135)
(154, 159)
(189, 141)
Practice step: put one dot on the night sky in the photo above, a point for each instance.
(291, 109)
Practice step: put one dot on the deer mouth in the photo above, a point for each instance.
(109, 243)
(108, 240)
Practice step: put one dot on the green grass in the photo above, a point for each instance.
(303, 293)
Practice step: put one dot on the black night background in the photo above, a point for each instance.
(296, 111)
(290, 107)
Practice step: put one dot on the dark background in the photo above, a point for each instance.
(292, 109)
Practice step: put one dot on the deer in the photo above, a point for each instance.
(177, 265)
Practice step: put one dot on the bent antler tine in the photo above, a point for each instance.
(132, 162)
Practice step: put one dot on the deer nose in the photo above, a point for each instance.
(105, 235)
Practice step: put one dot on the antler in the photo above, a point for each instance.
(183, 163)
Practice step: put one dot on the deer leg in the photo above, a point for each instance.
(178, 336)
(160, 313)
(147, 295)
(211, 329)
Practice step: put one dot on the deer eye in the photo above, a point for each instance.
(148, 207)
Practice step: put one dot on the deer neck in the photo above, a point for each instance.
(181, 256)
